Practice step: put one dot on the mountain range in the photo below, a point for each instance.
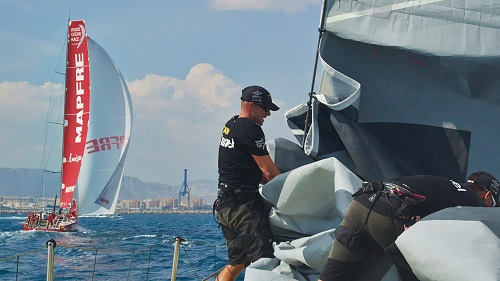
(37, 183)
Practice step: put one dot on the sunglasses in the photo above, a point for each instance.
(266, 109)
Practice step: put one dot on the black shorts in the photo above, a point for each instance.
(246, 230)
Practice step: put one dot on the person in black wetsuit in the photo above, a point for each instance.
(381, 211)
(244, 163)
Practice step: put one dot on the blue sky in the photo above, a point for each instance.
(185, 63)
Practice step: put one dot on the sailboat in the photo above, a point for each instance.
(407, 87)
(97, 129)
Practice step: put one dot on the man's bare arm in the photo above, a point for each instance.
(267, 166)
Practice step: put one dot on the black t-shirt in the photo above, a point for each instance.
(241, 138)
(440, 192)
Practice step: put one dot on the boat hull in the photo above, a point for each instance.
(69, 227)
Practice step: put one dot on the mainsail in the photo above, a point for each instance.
(76, 111)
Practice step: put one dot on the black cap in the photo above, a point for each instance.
(486, 181)
(259, 95)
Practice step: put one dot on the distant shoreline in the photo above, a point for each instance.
(121, 212)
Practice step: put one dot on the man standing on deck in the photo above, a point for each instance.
(244, 162)
(381, 211)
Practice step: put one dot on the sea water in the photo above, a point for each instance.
(125, 247)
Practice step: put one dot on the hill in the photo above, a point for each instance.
(28, 182)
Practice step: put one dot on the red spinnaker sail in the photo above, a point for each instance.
(77, 109)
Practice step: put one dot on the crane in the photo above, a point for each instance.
(185, 190)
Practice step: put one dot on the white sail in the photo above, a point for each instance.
(108, 138)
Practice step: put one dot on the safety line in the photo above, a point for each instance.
(96, 251)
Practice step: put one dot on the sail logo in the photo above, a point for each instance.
(229, 143)
(80, 91)
(77, 34)
(104, 200)
(69, 189)
(72, 159)
(105, 143)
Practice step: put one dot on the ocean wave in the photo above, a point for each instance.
(13, 218)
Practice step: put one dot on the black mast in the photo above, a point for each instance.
(311, 93)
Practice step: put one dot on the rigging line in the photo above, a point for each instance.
(201, 243)
(17, 267)
(149, 262)
(130, 267)
(49, 148)
(106, 250)
(191, 263)
(215, 257)
(95, 262)
(216, 272)
(311, 93)
(215, 265)
(23, 254)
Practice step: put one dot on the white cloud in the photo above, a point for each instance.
(205, 95)
(23, 101)
(23, 116)
(177, 124)
(289, 6)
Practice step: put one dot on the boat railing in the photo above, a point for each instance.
(55, 268)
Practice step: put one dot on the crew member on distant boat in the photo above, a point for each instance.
(244, 162)
(381, 211)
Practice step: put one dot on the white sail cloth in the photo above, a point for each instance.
(305, 207)
(308, 203)
(110, 127)
(465, 28)
(459, 244)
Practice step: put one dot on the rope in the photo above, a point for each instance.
(130, 267)
(23, 254)
(149, 262)
(17, 259)
(190, 263)
(95, 262)
(17, 267)
(211, 275)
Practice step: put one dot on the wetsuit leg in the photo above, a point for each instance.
(350, 248)
(339, 271)
(404, 269)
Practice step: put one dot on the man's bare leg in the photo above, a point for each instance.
(230, 272)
